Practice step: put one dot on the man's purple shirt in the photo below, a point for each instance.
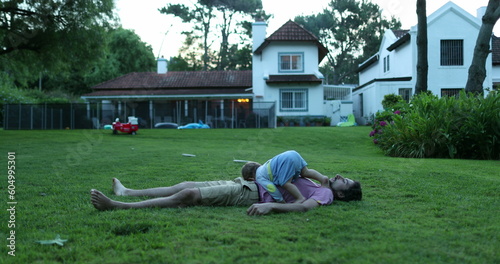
(308, 188)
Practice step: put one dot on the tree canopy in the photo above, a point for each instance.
(203, 15)
(124, 52)
(352, 31)
(73, 45)
(51, 36)
(66, 45)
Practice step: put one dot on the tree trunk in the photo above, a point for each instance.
(477, 70)
(227, 18)
(206, 20)
(422, 63)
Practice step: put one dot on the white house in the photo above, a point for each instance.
(284, 82)
(452, 34)
(285, 70)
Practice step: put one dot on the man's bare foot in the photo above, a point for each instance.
(118, 187)
(101, 201)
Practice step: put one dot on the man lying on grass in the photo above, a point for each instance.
(238, 192)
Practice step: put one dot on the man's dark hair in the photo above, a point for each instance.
(352, 194)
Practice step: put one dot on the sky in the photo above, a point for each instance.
(163, 32)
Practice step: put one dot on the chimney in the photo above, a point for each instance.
(162, 65)
(480, 12)
(258, 33)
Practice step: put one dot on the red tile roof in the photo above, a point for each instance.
(175, 83)
(293, 78)
(178, 93)
(400, 32)
(291, 31)
(176, 80)
(205, 83)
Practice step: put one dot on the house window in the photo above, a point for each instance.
(405, 93)
(450, 92)
(291, 62)
(293, 100)
(452, 52)
(386, 64)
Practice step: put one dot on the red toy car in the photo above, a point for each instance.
(131, 127)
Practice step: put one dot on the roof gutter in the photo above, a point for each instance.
(405, 38)
(395, 79)
(204, 96)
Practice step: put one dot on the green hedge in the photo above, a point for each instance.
(9, 94)
(465, 127)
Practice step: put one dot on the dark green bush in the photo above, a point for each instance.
(466, 127)
(390, 100)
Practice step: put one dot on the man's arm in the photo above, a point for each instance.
(267, 208)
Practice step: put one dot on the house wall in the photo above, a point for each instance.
(258, 83)
(315, 96)
(369, 73)
(268, 64)
(372, 96)
(364, 103)
(442, 77)
(450, 22)
(258, 37)
(309, 50)
(384, 55)
(402, 61)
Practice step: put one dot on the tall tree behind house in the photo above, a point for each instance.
(477, 70)
(422, 63)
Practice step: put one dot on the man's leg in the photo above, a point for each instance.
(184, 198)
(121, 190)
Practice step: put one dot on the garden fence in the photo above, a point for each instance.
(215, 113)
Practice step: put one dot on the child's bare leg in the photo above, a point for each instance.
(293, 190)
(315, 175)
(121, 190)
(187, 197)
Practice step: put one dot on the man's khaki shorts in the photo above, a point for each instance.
(228, 193)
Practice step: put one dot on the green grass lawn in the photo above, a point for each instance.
(413, 211)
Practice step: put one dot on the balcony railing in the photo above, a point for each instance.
(338, 92)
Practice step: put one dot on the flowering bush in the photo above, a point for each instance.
(465, 127)
(382, 119)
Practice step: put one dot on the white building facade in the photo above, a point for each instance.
(452, 34)
(285, 69)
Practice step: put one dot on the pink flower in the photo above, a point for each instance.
(383, 123)
(372, 133)
(375, 141)
(397, 112)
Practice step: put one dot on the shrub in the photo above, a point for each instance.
(10, 95)
(429, 127)
(50, 97)
(382, 119)
(390, 100)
